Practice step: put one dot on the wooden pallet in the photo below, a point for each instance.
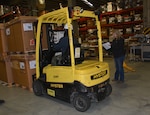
(23, 87)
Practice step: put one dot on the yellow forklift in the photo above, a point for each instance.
(73, 77)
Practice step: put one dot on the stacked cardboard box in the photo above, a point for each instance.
(20, 34)
(5, 66)
(23, 67)
(20, 41)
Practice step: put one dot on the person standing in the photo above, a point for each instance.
(118, 52)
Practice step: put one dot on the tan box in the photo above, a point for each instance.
(104, 32)
(5, 70)
(3, 42)
(23, 67)
(90, 23)
(20, 34)
(109, 7)
(104, 20)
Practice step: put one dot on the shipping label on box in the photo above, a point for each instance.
(8, 31)
(32, 42)
(22, 65)
(32, 64)
(27, 27)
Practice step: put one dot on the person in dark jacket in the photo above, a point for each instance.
(63, 46)
(118, 52)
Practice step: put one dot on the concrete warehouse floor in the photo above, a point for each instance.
(129, 98)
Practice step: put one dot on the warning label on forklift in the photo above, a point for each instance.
(51, 92)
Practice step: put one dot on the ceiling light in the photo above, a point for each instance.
(42, 1)
(88, 3)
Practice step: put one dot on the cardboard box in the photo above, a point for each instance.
(112, 20)
(90, 23)
(20, 34)
(129, 30)
(23, 67)
(104, 32)
(109, 7)
(3, 42)
(5, 67)
(104, 20)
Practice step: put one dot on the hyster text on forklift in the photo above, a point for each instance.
(63, 69)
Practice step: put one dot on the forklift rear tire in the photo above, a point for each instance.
(108, 89)
(81, 102)
(38, 88)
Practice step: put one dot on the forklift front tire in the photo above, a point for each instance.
(38, 88)
(108, 89)
(81, 102)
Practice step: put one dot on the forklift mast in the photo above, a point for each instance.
(63, 16)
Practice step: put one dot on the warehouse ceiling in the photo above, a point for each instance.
(54, 4)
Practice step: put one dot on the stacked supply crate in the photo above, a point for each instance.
(21, 49)
(20, 34)
(23, 67)
(5, 68)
